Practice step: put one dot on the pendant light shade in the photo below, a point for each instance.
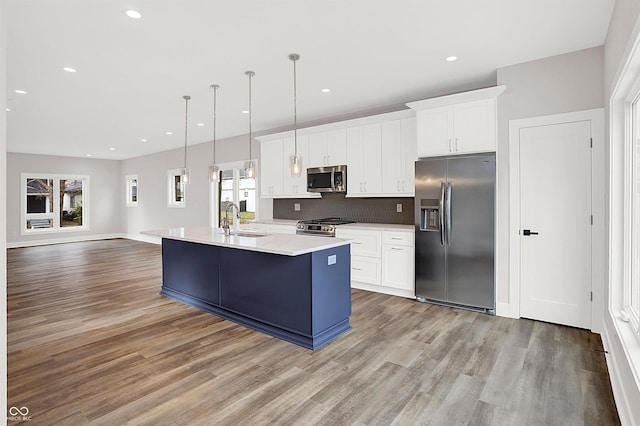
(214, 170)
(295, 161)
(185, 173)
(250, 165)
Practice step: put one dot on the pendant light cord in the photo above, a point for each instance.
(215, 92)
(295, 110)
(250, 74)
(186, 114)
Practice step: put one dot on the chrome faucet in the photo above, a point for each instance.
(225, 222)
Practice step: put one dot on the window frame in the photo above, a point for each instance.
(631, 274)
(214, 195)
(56, 228)
(129, 193)
(171, 190)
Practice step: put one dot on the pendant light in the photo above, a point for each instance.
(185, 172)
(295, 161)
(250, 165)
(214, 170)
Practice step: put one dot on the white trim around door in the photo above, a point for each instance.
(596, 117)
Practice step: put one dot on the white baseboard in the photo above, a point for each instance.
(626, 389)
(504, 310)
(143, 238)
(74, 239)
(383, 289)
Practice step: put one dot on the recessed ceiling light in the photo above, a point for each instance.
(133, 14)
(112, 149)
(88, 155)
(245, 111)
(69, 69)
(23, 92)
(7, 109)
(143, 140)
(169, 133)
(451, 58)
(200, 124)
(326, 90)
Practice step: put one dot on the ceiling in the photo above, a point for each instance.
(132, 73)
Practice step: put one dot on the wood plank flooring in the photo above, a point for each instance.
(90, 341)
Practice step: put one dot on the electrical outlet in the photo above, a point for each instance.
(399, 208)
(296, 207)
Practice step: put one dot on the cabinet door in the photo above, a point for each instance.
(372, 159)
(397, 267)
(435, 131)
(355, 175)
(271, 164)
(365, 243)
(475, 126)
(337, 147)
(318, 149)
(392, 157)
(409, 155)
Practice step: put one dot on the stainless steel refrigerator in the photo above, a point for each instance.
(455, 231)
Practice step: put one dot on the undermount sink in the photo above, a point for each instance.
(247, 234)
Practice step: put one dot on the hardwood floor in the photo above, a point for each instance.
(90, 341)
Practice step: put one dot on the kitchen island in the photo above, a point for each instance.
(293, 287)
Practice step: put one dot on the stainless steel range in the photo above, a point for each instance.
(325, 227)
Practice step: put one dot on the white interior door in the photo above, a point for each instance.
(555, 210)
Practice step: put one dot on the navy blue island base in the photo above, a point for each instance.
(304, 299)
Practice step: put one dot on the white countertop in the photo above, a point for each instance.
(379, 227)
(284, 244)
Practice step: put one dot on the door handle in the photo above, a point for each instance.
(528, 232)
(448, 225)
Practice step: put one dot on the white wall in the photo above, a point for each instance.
(152, 211)
(3, 205)
(564, 83)
(105, 195)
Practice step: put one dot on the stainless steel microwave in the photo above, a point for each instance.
(327, 179)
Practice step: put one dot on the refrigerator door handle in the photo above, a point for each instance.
(448, 225)
(441, 214)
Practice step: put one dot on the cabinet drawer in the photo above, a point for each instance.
(366, 269)
(281, 229)
(365, 243)
(398, 238)
(260, 227)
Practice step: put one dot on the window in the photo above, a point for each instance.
(54, 203)
(631, 303)
(176, 189)
(233, 186)
(132, 190)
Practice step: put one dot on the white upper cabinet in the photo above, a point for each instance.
(328, 148)
(271, 166)
(398, 156)
(457, 124)
(364, 161)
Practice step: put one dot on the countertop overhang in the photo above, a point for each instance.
(283, 244)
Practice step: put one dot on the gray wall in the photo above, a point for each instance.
(564, 83)
(152, 211)
(3, 206)
(105, 194)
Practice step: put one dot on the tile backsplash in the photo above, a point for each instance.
(366, 210)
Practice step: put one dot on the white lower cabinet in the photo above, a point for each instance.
(381, 261)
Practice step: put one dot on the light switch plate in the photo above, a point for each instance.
(296, 207)
(399, 208)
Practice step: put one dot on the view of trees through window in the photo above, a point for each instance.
(235, 187)
(54, 203)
